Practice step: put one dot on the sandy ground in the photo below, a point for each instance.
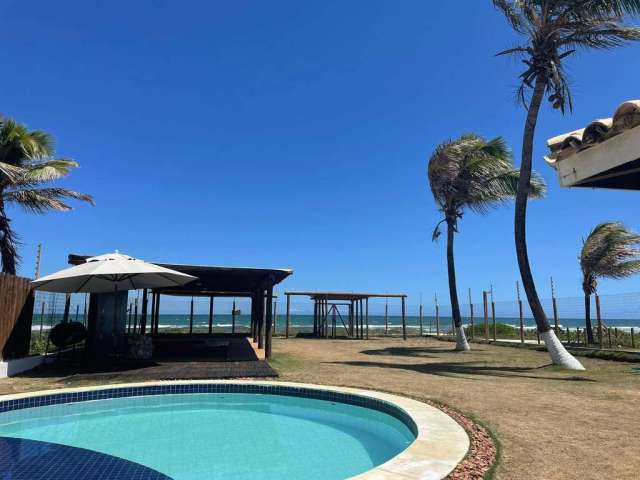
(551, 424)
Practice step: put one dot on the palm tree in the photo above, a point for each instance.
(471, 173)
(553, 30)
(608, 252)
(27, 167)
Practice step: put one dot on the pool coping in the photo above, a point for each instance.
(441, 443)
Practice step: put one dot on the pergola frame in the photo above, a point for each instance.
(325, 312)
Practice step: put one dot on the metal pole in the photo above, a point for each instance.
(486, 315)
(288, 308)
(404, 320)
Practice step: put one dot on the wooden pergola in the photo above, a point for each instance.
(326, 313)
(212, 281)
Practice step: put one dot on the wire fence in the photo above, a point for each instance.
(619, 313)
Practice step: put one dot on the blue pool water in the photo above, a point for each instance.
(221, 435)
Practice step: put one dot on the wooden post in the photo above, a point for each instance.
(135, 315)
(261, 315)
(233, 317)
(493, 317)
(143, 313)
(326, 318)
(275, 316)
(286, 334)
(437, 320)
(599, 320)
(255, 313)
(67, 306)
(420, 317)
(386, 316)
(315, 317)
(158, 295)
(211, 314)
(486, 315)
(357, 317)
(404, 320)
(268, 321)
(41, 318)
(191, 317)
(366, 317)
(471, 316)
(633, 339)
(521, 313)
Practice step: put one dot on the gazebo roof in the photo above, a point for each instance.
(604, 154)
(345, 295)
(216, 280)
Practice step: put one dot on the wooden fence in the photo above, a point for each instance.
(16, 312)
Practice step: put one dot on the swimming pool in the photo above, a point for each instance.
(201, 431)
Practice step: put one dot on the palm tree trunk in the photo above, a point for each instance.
(587, 317)
(8, 252)
(461, 339)
(558, 353)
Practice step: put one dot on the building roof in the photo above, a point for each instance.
(221, 281)
(605, 154)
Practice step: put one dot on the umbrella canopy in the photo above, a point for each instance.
(111, 272)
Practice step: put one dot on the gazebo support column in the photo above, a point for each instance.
(404, 319)
(367, 318)
(210, 314)
(143, 314)
(157, 314)
(261, 319)
(191, 317)
(286, 334)
(268, 322)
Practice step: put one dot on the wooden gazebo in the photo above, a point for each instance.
(326, 313)
(213, 281)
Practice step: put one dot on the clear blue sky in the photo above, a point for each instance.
(294, 134)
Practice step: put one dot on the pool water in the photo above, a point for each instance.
(222, 435)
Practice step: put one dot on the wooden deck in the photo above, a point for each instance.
(178, 357)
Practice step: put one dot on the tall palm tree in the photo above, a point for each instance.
(553, 30)
(476, 174)
(610, 251)
(27, 167)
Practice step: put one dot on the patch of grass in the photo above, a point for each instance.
(283, 362)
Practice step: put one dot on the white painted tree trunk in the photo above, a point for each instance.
(461, 341)
(559, 354)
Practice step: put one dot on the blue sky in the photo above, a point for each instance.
(294, 134)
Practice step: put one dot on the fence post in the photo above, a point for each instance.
(520, 313)
(471, 315)
(437, 318)
(493, 316)
(633, 340)
(41, 318)
(486, 316)
(386, 316)
(599, 319)
(420, 315)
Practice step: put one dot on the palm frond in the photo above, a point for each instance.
(47, 171)
(41, 200)
(610, 251)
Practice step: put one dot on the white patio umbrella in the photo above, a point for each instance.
(111, 272)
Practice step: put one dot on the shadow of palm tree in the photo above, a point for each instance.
(420, 352)
(462, 369)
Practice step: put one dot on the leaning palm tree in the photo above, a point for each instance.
(610, 251)
(470, 173)
(553, 30)
(27, 167)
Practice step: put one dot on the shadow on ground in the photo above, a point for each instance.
(468, 369)
(420, 352)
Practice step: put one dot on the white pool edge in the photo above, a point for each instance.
(440, 445)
